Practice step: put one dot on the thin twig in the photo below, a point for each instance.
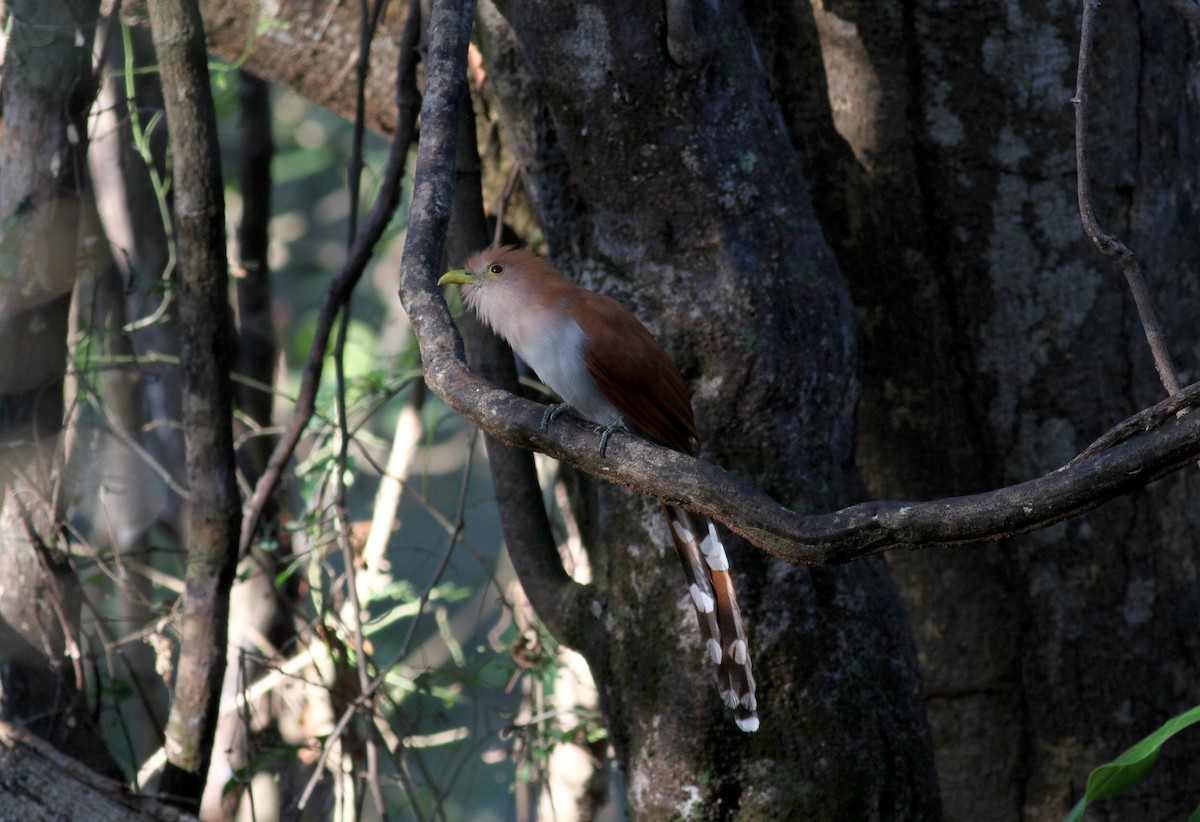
(405, 447)
(319, 768)
(1143, 420)
(118, 430)
(52, 589)
(509, 185)
(451, 543)
(246, 720)
(406, 784)
(377, 222)
(1108, 244)
(368, 21)
(368, 691)
(449, 29)
(159, 185)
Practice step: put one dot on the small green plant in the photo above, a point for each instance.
(1129, 768)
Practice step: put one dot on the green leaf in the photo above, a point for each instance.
(1128, 768)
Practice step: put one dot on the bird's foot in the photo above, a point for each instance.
(552, 412)
(607, 431)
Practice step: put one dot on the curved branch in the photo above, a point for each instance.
(1143, 420)
(825, 539)
(841, 536)
(559, 600)
(562, 603)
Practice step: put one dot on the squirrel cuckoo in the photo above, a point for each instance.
(595, 354)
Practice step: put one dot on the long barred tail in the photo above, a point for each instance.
(707, 570)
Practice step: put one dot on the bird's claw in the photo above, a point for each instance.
(607, 431)
(552, 412)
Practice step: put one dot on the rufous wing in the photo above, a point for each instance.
(633, 372)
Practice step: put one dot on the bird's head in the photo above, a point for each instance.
(485, 267)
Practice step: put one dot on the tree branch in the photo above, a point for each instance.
(433, 187)
(40, 782)
(205, 362)
(1143, 420)
(556, 597)
(1108, 244)
(677, 479)
(840, 536)
(312, 49)
(562, 603)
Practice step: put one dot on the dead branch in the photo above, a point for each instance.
(1109, 245)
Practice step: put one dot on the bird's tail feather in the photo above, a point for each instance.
(706, 567)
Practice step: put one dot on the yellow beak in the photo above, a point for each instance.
(457, 276)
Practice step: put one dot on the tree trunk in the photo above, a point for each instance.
(671, 185)
(997, 344)
(45, 97)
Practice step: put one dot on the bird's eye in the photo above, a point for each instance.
(496, 268)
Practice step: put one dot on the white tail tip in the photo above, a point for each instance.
(748, 724)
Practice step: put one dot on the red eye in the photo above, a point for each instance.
(496, 268)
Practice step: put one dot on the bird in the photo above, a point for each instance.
(607, 367)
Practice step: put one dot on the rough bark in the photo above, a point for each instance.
(674, 188)
(46, 93)
(313, 49)
(39, 782)
(996, 342)
(862, 530)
